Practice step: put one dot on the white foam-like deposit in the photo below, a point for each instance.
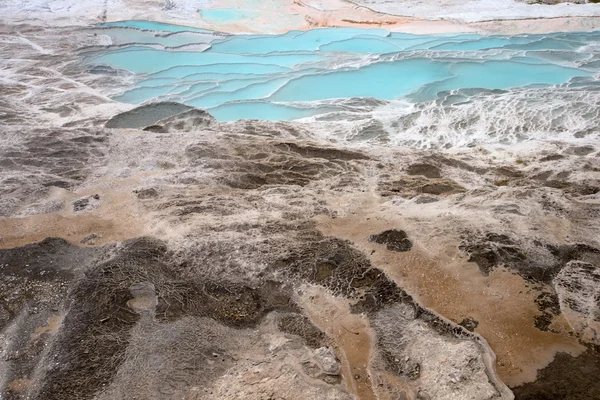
(276, 16)
(479, 10)
(502, 118)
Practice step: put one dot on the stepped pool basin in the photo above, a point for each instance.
(447, 89)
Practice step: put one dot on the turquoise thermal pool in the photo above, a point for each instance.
(347, 74)
(228, 15)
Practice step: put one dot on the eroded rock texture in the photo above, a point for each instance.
(578, 289)
(157, 253)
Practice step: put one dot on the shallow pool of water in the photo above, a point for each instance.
(227, 15)
(333, 73)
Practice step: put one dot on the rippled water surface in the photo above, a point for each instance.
(424, 89)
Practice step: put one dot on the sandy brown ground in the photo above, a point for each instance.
(502, 302)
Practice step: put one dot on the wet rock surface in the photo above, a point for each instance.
(533, 260)
(578, 292)
(469, 324)
(147, 115)
(182, 254)
(34, 162)
(114, 296)
(86, 203)
(439, 366)
(394, 240)
(566, 377)
(492, 251)
(548, 304)
(426, 170)
(300, 325)
(413, 186)
(34, 282)
(339, 267)
(182, 122)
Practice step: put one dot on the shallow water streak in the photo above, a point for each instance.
(502, 303)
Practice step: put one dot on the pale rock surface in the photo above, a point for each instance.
(578, 289)
(284, 15)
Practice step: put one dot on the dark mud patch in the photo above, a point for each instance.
(270, 129)
(394, 240)
(425, 199)
(580, 150)
(34, 283)
(86, 204)
(46, 158)
(339, 267)
(440, 188)
(90, 239)
(350, 274)
(534, 261)
(492, 251)
(552, 157)
(547, 303)
(455, 163)
(587, 188)
(578, 252)
(469, 324)
(542, 176)
(565, 378)
(262, 162)
(509, 172)
(331, 154)
(575, 189)
(299, 325)
(44, 260)
(101, 309)
(231, 304)
(186, 121)
(426, 170)
(146, 115)
(557, 184)
(381, 294)
(94, 336)
(275, 177)
(36, 275)
(583, 189)
(410, 187)
(148, 193)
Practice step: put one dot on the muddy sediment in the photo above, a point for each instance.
(507, 307)
(566, 377)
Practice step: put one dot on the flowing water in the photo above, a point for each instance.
(362, 84)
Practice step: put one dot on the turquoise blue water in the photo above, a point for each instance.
(303, 74)
(227, 15)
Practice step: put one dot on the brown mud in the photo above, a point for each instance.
(503, 303)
